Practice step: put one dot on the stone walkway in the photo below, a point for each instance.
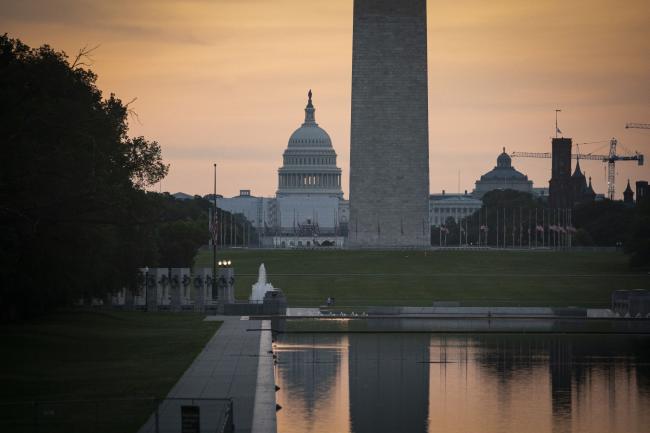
(235, 364)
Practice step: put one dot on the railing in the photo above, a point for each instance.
(145, 415)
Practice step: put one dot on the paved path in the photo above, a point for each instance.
(234, 364)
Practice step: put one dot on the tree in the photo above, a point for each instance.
(71, 181)
(607, 222)
(638, 237)
(516, 213)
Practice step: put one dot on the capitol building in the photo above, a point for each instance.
(308, 208)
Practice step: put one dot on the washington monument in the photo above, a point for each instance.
(389, 144)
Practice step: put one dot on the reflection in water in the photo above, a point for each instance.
(361, 383)
(389, 385)
(313, 375)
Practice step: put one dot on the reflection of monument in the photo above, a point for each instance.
(315, 370)
(389, 382)
(260, 288)
(389, 142)
(560, 369)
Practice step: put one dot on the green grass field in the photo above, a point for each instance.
(94, 356)
(417, 278)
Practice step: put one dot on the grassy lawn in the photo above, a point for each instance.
(417, 278)
(95, 355)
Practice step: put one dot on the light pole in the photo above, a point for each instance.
(223, 296)
(214, 233)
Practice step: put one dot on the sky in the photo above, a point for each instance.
(225, 81)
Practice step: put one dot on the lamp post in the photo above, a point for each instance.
(223, 293)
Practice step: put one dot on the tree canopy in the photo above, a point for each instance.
(72, 182)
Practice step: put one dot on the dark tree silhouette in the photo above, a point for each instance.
(71, 182)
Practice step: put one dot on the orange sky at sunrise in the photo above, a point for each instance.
(226, 80)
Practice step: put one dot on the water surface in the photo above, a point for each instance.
(419, 382)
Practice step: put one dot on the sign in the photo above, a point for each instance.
(190, 419)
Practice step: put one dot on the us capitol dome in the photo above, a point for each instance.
(309, 162)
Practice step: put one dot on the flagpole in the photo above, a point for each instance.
(487, 231)
(572, 228)
(504, 227)
(519, 227)
(557, 238)
(214, 230)
(478, 226)
(512, 229)
(528, 227)
(543, 227)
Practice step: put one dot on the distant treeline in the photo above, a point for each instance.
(75, 217)
(511, 218)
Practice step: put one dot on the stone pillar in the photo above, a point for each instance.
(162, 285)
(175, 288)
(107, 301)
(186, 286)
(129, 300)
(202, 282)
(151, 290)
(226, 285)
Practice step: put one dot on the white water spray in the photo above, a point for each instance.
(261, 286)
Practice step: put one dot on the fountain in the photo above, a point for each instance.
(261, 286)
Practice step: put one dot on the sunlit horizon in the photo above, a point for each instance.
(226, 82)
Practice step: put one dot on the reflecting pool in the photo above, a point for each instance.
(420, 382)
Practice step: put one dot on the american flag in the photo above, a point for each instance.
(214, 227)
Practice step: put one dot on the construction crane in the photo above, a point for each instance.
(610, 159)
(637, 125)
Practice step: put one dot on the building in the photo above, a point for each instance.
(259, 211)
(628, 194)
(567, 190)
(541, 193)
(502, 176)
(642, 191)
(581, 192)
(309, 162)
(560, 186)
(389, 140)
(309, 181)
(456, 206)
(308, 208)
